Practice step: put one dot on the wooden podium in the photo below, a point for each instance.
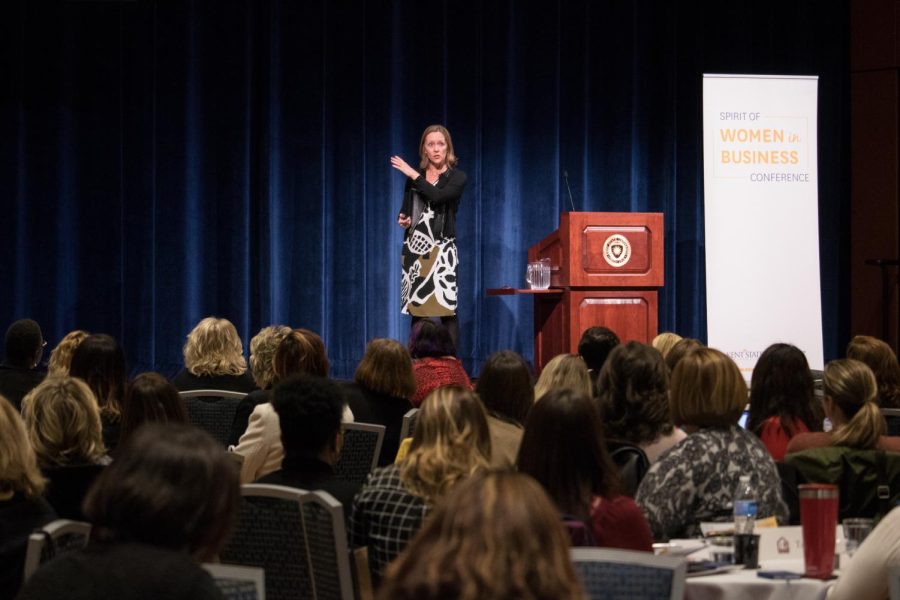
(606, 269)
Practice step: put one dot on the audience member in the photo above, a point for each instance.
(165, 505)
(565, 451)
(64, 426)
(883, 362)
(451, 442)
(506, 388)
(851, 404)
(633, 391)
(781, 398)
(19, 372)
(495, 537)
(681, 348)
(61, 356)
(214, 359)
(695, 481)
(22, 508)
(151, 398)
(309, 413)
(868, 574)
(665, 341)
(595, 345)
(564, 371)
(434, 360)
(383, 384)
(100, 362)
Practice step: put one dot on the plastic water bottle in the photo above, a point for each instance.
(746, 506)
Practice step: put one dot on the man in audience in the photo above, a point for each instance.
(18, 372)
(595, 345)
(309, 410)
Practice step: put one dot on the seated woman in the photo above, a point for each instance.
(564, 371)
(22, 508)
(506, 388)
(214, 359)
(564, 450)
(165, 505)
(150, 397)
(100, 362)
(633, 391)
(383, 384)
(881, 359)
(64, 427)
(450, 443)
(61, 356)
(868, 574)
(496, 536)
(695, 481)
(851, 403)
(665, 341)
(679, 350)
(434, 360)
(781, 398)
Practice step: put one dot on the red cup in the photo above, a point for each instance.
(818, 517)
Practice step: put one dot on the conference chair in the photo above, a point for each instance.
(53, 539)
(892, 418)
(408, 426)
(238, 583)
(326, 537)
(213, 411)
(628, 575)
(360, 452)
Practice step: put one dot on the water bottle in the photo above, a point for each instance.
(746, 506)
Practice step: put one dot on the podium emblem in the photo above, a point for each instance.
(617, 250)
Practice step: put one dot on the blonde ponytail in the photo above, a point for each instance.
(863, 431)
(852, 387)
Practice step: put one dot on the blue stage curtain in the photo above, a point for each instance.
(164, 161)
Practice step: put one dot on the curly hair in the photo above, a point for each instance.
(61, 356)
(564, 371)
(451, 442)
(63, 422)
(214, 348)
(883, 362)
(262, 354)
(782, 386)
(633, 393)
(386, 368)
(496, 536)
(19, 472)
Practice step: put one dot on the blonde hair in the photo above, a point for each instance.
(214, 348)
(423, 156)
(63, 422)
(665, 341)
(262, 353)
(564, 371)
(707, 390)
(881, 359)
(451, 442)
(851, 385)
(61, 356)
(386, 368)
(19, 471)
(496, 536)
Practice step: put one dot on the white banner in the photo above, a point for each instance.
(762, 224)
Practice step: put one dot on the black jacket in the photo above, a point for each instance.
(443, 198)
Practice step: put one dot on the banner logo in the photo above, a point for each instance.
(617, 250)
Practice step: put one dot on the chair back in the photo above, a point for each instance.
(408, 426)
(270, 535)
(632, 462)
(53, 539)
(892, 418)
(326, 536)
(627, 575)
(359, 455)
(213, 411)
(238, 583)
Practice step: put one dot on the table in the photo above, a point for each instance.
(745, 584)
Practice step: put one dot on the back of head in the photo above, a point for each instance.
(151, 398)
(300, 352)
(309, 411)
(19, 472)
(100, 362)
(633, 391)
(881, 359)
(386, 368)
(63, 422)
(214, 348)
(171, 485)
(680, 350)
(430, 339)
(24, 341)
(565, 371)
(851, 385)
(506, 387)
(595, 345)
(61, 356)
(781, 386)
(262, 354)
(451, 442)
(707, 390)
(496, 536)
(665, 341)
(564, 449)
